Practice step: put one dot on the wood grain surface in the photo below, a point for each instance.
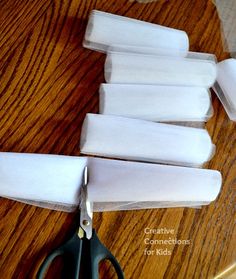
(48, 82)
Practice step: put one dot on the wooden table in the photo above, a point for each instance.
(48, 83)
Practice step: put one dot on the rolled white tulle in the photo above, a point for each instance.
(54, 181)
(117, 184)
(48, 179)
(155, 102)
(162, 70)
(225, 86)
(226, 12)
(134, 139)
(105, 30)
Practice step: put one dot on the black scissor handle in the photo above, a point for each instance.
(86, 252)
(71, 249)
(98, 252)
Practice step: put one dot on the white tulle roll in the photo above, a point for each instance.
(121, 181)
(120, 137)
(105, 30)
(225, 86)
(54, 181)
(50, 179)
(163, 70)
(155, 102)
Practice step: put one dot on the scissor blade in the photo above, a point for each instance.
(85, 208)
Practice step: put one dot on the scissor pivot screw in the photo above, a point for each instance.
(86, 223)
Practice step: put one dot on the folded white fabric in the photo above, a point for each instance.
(105, 30)
(155, 102)
(54, 181)
(162, 70)
(225, 86)
(50, 179)
(134, 139)
(114, 181)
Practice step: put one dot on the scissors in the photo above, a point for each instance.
(83, 251)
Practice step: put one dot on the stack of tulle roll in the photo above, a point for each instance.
(154, 84)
